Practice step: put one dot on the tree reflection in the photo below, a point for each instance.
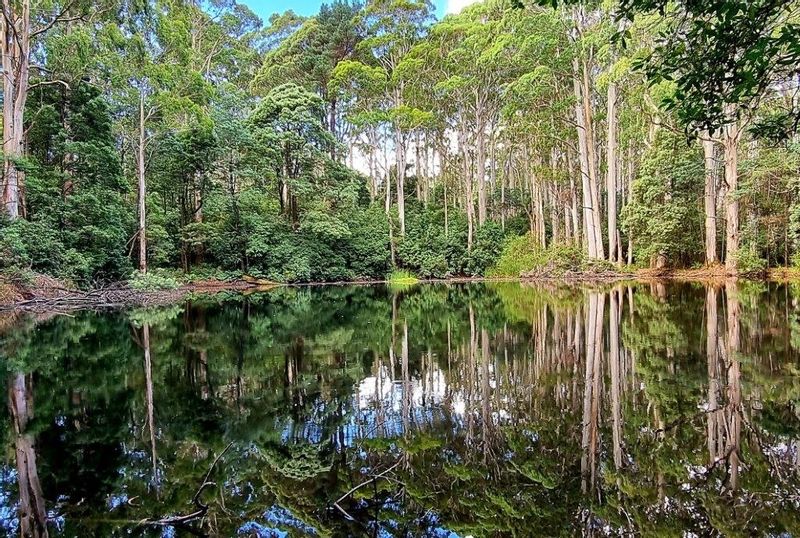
(32, 512)
(477, 409)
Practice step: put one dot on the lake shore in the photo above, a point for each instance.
(45, 294)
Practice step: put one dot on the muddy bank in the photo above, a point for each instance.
(45, 294)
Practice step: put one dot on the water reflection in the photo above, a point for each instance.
(484, 410)
(31, 510)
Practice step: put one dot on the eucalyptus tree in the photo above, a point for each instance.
(360, 90)
(392, 29)
(149, 85)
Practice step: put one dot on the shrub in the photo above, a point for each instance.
(523, 254)
(749, 263)
(153, 281)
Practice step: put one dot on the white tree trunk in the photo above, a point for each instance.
(709, 199)
(611, 179)
(400, 176)
(142, 188)
(15, 36)
(586, 167)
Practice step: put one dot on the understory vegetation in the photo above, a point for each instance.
(507, 139)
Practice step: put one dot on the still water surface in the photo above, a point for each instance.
(498, 409)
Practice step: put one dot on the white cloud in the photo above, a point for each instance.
(455, 6)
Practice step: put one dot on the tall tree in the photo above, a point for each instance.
(392, 30)
(22, 26)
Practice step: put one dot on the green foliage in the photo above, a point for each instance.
(401, 276)
(665, 216)
(153, 281)
(429, 252)
(79, 219)
(749, 263)
(524, 254)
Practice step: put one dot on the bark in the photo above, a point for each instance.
(388, 192)
(592, 157)
(480, 163)
(630, 199)
(142, 189)
(588, 176)
(32, 511)
(469, 205)
(400, 178)
(15, 35)
(730, 143)
(417, 168)
(611, 179)
(506, 171)
(573, 194)
(709, 201)
(540, 214)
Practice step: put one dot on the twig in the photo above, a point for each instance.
(196, 498)
(361, 485)
(202, 509)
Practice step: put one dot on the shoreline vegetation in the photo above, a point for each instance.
(43, 294)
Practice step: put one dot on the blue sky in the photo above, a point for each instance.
(265, 8)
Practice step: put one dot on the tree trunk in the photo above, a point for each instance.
(480, 165)
(710, 201)
(400, 176)
(469, 205)
(592, 157)
(573, 196)
(585, 167)
(611, 179)
(730, 142)
(140, 169)
(15, 52)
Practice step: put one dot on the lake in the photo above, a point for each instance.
(440, 410)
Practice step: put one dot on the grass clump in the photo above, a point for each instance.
(401, 276)
(400, 279)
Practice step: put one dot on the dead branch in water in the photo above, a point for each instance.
(201, 509)
(370, 480)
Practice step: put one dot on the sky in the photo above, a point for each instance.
(265, 8)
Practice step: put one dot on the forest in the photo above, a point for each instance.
(183, 137)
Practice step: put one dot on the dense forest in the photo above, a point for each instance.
(192, 136)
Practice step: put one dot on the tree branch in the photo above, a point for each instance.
(58, 18)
